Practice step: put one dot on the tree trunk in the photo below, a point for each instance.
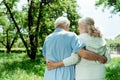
(8, 42)
(8, 50)
(16, 25)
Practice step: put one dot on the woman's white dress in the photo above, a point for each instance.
(88, 69)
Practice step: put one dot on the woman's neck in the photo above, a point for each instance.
(83, 31)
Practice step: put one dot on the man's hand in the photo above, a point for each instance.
(102, 59)
(91, 56)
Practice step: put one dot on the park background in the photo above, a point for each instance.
(24, 24)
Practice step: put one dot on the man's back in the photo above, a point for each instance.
(59, 45)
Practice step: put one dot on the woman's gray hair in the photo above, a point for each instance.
(86, 21)
(92, 30)
(62, 21)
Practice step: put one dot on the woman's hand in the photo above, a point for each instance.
(51, 65)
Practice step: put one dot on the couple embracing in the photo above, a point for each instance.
(72, 57)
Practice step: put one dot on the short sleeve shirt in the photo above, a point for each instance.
(58, 46)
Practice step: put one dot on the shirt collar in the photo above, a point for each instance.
(59, 29)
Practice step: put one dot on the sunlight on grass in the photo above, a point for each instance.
(113, 69)
(19, 67)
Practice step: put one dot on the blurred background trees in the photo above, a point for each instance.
(33, 23)
(27, 26)
(114, 44)
(114, 4)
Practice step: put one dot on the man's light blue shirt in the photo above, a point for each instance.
(58, 46)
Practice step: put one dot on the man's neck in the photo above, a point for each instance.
(62, 27)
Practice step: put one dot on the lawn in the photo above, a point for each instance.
(17, 66)
(113, 69)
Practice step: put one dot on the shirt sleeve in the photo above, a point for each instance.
(107, 55)
(73, 59)
(77, 44)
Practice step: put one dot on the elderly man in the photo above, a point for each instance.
(61, 44)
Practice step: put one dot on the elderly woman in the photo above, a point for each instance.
(87, 69)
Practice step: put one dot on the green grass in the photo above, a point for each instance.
(19, 67)
(113, 69)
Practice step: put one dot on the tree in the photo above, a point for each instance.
(7, 36)
(37, 19)
(115, 4)
(114, 44)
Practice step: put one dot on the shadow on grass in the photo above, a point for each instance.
(24, 63)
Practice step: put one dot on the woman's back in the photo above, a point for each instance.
(91, 70)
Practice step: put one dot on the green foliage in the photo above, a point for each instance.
(18, 66)
(113, 42)
(113, 69)
(115, 4)
(36, 19)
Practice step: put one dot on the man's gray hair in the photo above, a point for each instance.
(62, 21)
